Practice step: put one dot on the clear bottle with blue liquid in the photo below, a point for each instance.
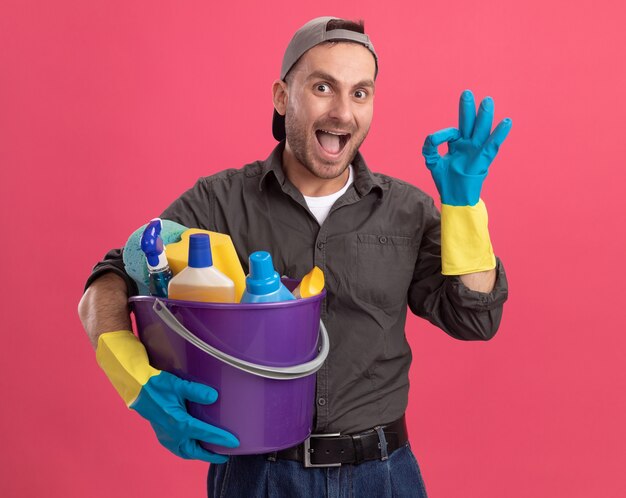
(158, 267)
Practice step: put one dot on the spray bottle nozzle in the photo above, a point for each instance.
(151, 242)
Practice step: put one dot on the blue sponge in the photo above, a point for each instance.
(134, 258)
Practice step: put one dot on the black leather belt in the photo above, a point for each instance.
(332, 450)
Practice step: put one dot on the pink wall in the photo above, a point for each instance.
(100, 99)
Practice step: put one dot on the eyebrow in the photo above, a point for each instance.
(325, 76)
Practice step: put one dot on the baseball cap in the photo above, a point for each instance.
(308, 36)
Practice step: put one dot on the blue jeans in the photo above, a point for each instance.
(255, 476)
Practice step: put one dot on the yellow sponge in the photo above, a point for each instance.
(224, 257)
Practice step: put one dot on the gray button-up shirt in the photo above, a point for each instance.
(379, 249)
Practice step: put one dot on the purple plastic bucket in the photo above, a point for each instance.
(261, 358)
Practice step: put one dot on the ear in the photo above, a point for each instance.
(280, 96)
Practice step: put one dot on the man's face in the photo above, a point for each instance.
(330, 103)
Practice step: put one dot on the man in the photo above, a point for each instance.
(382, 247)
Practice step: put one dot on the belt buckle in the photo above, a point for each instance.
(307, 452)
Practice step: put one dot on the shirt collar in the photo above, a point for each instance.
(364, 180)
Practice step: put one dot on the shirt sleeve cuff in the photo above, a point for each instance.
(101, 269)
(463, 296)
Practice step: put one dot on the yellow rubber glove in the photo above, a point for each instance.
(459, 175)
(160, 397)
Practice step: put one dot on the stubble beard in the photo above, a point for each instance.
(302, 149)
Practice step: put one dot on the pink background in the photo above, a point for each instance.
(109, 110)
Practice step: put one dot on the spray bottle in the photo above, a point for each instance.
(263, 284)
(158, 269)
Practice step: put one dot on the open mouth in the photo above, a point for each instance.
(331, 141)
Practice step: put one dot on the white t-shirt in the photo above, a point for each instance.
(320, 206)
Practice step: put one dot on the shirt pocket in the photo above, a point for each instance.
(385, 265)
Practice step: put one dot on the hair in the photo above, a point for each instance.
(356, 26)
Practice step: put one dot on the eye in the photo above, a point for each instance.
(322, 88)
(360, 94)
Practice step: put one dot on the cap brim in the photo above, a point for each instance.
(278, 126)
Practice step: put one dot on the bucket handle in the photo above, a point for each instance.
(268, 372)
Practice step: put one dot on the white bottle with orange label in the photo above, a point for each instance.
(200, 280)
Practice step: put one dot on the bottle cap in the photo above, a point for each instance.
(263, 279)
(200, 255)
(312, 283)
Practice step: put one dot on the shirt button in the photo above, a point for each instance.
(382, 239)
(320, 245)
(321, 401)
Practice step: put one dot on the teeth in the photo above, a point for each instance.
(334, 133)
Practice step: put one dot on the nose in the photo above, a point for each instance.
(341, 109)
